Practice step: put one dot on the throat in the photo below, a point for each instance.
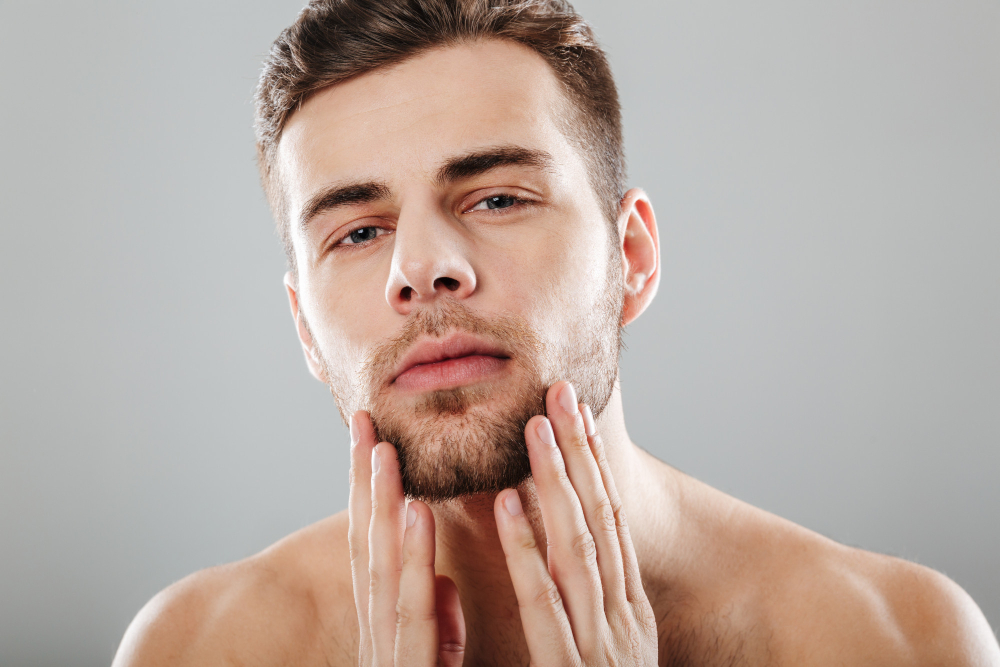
(470, 553)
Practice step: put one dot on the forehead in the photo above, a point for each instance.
(405, 120)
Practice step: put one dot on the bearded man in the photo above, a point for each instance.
(448, 178)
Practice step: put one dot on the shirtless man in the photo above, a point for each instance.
(447, 177)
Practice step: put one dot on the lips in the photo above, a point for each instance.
(451, 361)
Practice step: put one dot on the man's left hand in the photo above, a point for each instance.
(583, 602)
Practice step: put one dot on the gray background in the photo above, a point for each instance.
(824, 344)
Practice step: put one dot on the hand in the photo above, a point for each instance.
(406, 614)
(586, 604)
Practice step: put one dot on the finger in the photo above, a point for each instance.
(359, 511)
(546, 626)
(451, 623)
(585, 476)
(571, 550)
(385, 557)
(634, 592)
(416, 620)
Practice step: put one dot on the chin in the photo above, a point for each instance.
(460, 442)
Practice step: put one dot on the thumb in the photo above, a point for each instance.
(451, 622)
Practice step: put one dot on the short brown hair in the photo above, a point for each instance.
(334, 40)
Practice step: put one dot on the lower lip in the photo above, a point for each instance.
(450, 373)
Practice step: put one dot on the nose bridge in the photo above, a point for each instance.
(430, 257)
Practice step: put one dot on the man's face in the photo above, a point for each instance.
(452, 259)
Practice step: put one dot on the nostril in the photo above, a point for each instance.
(449, 283)
(406, 293)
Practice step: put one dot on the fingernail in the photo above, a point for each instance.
(411, 515)
(567, 399)
(588, 421)
(512, 503)
(545, 434)
(375, 461)
(355, 431)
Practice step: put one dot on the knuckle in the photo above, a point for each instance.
(374, 581)
(526, 540)
(407, 617)
(584, 547)
(604, 518)
(359, 560)
(599, 447)
(623, 531)
(645, 616)
(632, 645)
(378, 583)
(413, 553)
(621, 617)
(416, 558)
(618, 510)
(579, 439)
(561, 474)
(452, 648)
(547, 596)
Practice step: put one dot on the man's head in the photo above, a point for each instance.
(448, 226)
(335, 40)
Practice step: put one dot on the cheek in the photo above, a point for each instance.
(341, 320)
(523, 278)
(556, 280)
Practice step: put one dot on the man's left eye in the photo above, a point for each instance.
(495, 202)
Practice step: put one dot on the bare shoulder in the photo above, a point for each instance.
(803, 599)
(290, 604)
(833, 604)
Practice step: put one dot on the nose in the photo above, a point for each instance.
(430, 258)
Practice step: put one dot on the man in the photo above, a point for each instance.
(448, 179)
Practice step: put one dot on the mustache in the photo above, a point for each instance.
(511, 333)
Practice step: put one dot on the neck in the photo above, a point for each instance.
(469, 550)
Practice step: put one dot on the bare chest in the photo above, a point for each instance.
(692, 639)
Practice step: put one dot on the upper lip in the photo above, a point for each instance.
(451, 346)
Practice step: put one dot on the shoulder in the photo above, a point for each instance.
(940, 621)
(290, 604)
(848, 606)
(812, 601)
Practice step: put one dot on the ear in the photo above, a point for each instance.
(640, 248)
(308, 348)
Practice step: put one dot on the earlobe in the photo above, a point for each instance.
(305, 336)
(640, 248)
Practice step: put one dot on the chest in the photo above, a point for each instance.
(709, 639)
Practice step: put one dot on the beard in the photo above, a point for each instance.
(470, 440)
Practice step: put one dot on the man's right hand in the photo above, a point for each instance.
(406, 614)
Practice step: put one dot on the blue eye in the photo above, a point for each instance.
(363, 234)
(496, 203)
(499, 201)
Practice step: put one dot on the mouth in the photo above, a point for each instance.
(453, 361)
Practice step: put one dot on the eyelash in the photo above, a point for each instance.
(339, 243)
(518, 203)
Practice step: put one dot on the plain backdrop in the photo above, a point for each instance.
(824, 344)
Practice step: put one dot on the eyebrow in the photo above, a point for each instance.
(480, 162)
(344, 194)
(454, 169)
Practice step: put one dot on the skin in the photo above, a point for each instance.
(692, 577)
